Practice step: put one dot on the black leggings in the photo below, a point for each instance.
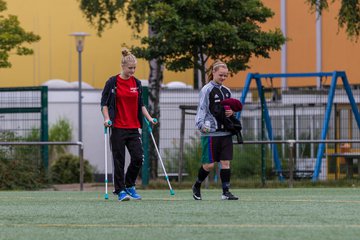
(131, 139)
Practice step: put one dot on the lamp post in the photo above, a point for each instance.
(79, 40)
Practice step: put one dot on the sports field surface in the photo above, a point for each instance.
(297, 213)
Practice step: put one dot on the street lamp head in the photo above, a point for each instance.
(79, 39)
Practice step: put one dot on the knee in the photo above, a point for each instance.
(225, 164)
(208, 167)
(138, 161)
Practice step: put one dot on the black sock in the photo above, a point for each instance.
(201, 177)
(225, 179)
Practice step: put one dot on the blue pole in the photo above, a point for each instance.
(351, 98)
(321, 148)
(244, 92)
(269, 129)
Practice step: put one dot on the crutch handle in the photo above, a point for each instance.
(148, 124)
(105, 128)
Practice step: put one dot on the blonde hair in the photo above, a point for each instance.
(214, 67)
(127, 57)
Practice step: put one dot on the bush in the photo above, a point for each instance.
(246, 161)
(20, 166)
(59, 132)
(21, 175)
(66, 169)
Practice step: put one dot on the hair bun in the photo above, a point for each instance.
(125, 52)
(127, 57)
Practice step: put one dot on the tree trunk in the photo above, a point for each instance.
(196, 72)
(202, 60)
(155, 80)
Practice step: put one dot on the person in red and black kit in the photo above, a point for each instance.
(123, 110)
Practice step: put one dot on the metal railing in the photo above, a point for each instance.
(292, 143)
(81, 153)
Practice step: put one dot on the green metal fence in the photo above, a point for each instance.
(24, 117)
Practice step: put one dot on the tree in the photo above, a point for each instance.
(348, 16)
(12, 38)
(189, 33)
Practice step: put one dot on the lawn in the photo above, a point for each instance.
(297, 213)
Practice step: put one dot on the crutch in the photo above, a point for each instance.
(106, 196)
(158, 153)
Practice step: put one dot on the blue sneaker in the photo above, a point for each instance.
(133, 194)
(123, 196)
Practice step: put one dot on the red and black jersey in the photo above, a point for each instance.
(126, 103)
(109, 98)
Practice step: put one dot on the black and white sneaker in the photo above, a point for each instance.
(228, 196)
(196, 193)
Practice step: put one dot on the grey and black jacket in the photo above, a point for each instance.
(210, 109)
(108, 98)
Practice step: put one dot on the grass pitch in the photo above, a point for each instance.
(298, 213)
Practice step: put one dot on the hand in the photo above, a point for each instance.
(229, 112)
(107, 123)
(205, 130)
(153, 121)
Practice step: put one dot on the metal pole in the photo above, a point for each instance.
(318, 46)
(145, 172)
(263, 165)
(284, 85)
(291, 163)
(182, 132)
(80, 126)
(80, 38)
(81, 159)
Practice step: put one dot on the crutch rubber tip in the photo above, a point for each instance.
(172, 192)
(106, 196)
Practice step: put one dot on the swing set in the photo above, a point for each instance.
(321, 148)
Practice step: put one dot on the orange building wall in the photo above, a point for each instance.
(338, 52)
(56, 57)
(301, 29)
(262, 65)
(55, 54)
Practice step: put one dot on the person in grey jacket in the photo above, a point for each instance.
(216, 140)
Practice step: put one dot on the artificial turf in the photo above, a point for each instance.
(297, 213)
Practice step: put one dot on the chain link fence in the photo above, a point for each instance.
(295, 115)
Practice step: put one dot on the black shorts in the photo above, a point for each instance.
(216, 148)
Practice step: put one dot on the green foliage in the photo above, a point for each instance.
(66, 169)
(246, 161)
(19, 165)
(101, 13)
(12, 37)
(59, 132)
(228, 30)
(21, 175)
(348, 16)
(187, 30)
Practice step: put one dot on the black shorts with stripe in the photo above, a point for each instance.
(216, 148)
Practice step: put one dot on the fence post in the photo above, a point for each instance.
(81, 159)
(263, 138)
(182, 132)
(145, 170)
(292, 144)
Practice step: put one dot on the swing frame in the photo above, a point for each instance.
(334, 76)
